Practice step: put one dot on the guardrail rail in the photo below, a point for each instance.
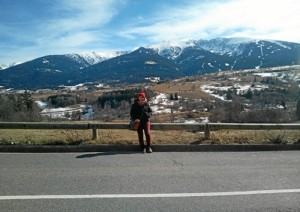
(94, 126)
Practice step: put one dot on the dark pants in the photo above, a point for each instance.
(146, 128)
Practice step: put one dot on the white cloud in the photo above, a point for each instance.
(80, 21)
(73, 26)
(81, 14)
(77, 39)
(248, 18)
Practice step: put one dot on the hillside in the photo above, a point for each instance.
(132, 68)
(254, 95)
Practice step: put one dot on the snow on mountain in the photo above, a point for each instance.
(280, 44)
(231, 46)
(179, 43)
(84, 58)
(172, 48)
(5, 66)
(223, 46)
(95, 57)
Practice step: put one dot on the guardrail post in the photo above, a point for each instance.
(95, 134)
(207, 132)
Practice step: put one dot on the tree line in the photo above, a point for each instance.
(64, 100)
(19, 107)
(116, 104)
(267, 107)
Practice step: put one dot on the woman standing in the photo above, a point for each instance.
(140, 112)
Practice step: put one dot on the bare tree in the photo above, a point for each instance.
(298, 110)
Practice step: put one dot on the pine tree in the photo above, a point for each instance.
(176, 96)
(171, 97)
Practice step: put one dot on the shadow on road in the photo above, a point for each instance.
(104, 154)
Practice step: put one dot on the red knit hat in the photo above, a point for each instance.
(142, 93)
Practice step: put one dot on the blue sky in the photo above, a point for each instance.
(35, 28)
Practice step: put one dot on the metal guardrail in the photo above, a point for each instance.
(94, 126)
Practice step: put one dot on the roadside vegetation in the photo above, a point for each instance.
(81, 137)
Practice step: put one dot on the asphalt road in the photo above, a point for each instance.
(165, 181)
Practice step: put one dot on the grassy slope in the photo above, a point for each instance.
(41, 137)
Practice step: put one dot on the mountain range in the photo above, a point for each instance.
(167, 60)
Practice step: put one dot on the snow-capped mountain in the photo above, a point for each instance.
(200, 56)
(92, 58)
(84, 58)
(5, 66)
(167, 60)
(51, 70)
(231, 46)
(133, 67)
(172, 49)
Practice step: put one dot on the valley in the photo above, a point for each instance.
(268, 95)
(229, 96)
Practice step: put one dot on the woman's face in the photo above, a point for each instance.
(141, 98)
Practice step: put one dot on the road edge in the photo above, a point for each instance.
(156, 148)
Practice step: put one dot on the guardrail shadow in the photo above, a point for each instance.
(91, 155)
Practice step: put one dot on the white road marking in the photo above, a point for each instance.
(162, 195)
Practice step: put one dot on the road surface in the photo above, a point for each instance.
(164, 181)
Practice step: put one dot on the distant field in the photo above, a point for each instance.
(184, 89)
(51, 137)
